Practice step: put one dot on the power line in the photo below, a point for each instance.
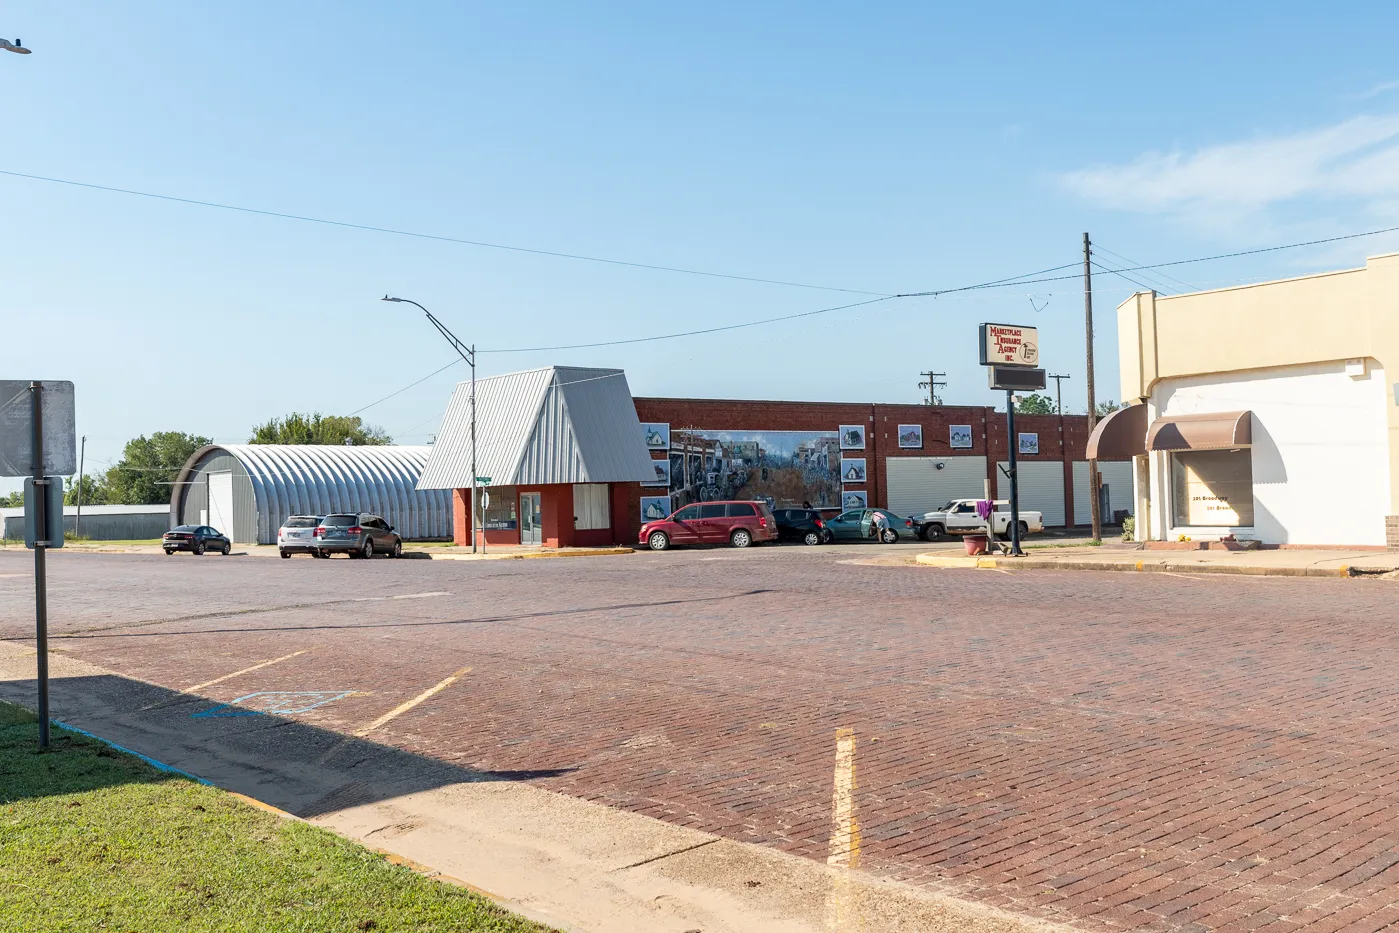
(405, 388)
(1119, 273)
(429, 236)
(1133, 262)
(1265, 249)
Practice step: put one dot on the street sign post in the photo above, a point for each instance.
(39, 439)
(1011, 354)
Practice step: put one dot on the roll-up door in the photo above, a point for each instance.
(1041, 488)
(221, 503)
(923, 484)
(1117, 479)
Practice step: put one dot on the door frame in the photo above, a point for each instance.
(537, 527)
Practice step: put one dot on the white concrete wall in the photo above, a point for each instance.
(1320, 451)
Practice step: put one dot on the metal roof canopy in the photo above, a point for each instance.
(559, 424)
(1220, 430)
(1119, 436)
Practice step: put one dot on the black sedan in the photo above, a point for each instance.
(196, 539)
(804, 525)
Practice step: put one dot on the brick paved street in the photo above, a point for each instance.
(1122, 750)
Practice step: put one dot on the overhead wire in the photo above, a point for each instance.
(1151, 288)
(1162, 276)
(431, 236)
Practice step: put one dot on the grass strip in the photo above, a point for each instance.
(95, 839)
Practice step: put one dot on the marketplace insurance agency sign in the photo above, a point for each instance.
(1009, 345)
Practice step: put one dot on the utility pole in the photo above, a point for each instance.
(78, 522)
(932, 385)
(1058, 393)
(1092, 401)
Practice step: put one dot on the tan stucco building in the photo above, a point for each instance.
(1266, 411)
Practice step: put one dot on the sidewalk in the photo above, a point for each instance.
(1321, 562)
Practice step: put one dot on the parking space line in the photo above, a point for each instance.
(371, 599)
(404, 707)
(841, 913)
(246, 670)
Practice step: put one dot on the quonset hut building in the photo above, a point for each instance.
(248, 490)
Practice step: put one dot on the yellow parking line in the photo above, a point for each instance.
(841, 913)
(246, 670)
(402, 708)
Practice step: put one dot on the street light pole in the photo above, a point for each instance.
(468, 354)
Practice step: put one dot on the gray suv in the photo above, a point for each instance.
(358, 534)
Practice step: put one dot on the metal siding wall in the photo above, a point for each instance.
(1117, 476)
(244, 502)
(606, 430)
(916, 485)
(1041, 488)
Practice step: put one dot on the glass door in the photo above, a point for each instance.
(531, 518)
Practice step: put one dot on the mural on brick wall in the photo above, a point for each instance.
(786, 468)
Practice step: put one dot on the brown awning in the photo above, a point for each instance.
(1119, 436)
(1219, 430)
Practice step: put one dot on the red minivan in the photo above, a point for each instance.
(737, 523)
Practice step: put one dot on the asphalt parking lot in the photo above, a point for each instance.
(1121, 750)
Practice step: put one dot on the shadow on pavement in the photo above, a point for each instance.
(300, 768)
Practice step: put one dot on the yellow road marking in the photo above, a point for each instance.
(845, 836)
(404, 707)
(246, 670)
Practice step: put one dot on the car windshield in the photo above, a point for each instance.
(341, 520)
(946, 507)
(302, 521)
(185, 528)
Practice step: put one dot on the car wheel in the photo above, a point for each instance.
(198, 547)
(319, 555)
(397, 551)
(741, 538)
(225, 549)
(1024, 530)
(368, 550)
(889, 536)
(811, 538)
(657, 541)
(169, 551)
(933, 532)
(286, 555)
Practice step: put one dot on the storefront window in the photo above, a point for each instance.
(500, 514)
(1212, 488)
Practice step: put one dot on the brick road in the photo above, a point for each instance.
(1119, 750)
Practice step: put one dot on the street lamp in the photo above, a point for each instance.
(468, 354)
(15, 46)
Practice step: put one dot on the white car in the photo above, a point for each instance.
(959, 517)
(298, 535)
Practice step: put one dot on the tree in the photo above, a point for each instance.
(1034, 404)
(95, 491)
(316, 428)
(14, 500)
(1106, 408)
(148, 467)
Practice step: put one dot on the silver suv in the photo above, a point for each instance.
(298, 535)
(358, 534)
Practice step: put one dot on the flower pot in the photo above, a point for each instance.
(975, 544)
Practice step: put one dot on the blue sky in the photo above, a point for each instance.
(883, 148)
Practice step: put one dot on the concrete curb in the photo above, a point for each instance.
(1136, 566)
(532, 555)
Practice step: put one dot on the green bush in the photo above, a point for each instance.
(1129, 528)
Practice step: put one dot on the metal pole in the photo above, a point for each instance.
(78, 522)
(475, 519)
(1092, 401)
(41, 600)
(1013, 443)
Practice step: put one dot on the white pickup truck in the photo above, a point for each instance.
(959, 517)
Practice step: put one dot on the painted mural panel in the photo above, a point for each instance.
(786, 468)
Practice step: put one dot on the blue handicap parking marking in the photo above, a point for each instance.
(278, 702)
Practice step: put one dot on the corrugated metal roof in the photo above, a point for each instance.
(315, 479)
(560, 424)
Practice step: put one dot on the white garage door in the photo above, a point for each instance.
(1117, 480)
(1041, 488)
(918, 484)
(221, 503)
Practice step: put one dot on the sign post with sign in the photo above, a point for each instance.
(1011, 355)
(38, 440)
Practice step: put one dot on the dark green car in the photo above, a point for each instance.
(855, 524)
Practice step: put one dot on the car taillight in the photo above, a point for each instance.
(820, 524)
(762, 522)
(908, 523)
(319, 532)
(354, 530)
